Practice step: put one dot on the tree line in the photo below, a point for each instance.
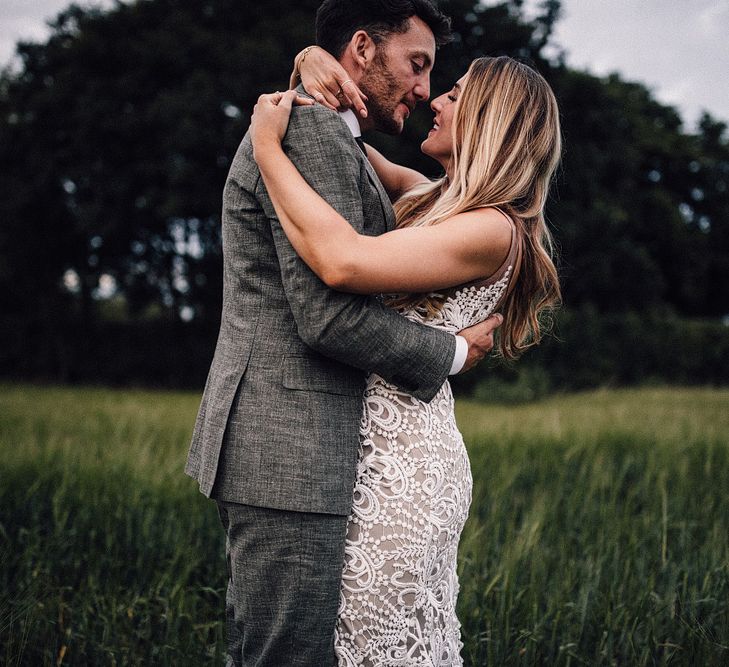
(115, 139)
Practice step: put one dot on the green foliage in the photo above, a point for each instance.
(528, 383)
(630, 209)
(597, 348)
(598, 531)
(592, 348)
(115, 140)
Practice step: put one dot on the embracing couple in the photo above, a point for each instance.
(326, 433)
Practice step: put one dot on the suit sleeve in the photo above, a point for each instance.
(354, 329)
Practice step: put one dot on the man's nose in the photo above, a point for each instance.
(422, 89)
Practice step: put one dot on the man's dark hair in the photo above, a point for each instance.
(338, 20)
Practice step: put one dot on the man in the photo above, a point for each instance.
(276, 439)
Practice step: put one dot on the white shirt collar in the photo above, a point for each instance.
(349, 117)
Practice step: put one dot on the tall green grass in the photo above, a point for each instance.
(110, 556)
(599, 531)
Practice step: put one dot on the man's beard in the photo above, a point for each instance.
(382, 90)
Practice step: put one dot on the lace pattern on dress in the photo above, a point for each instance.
(467, 306)
(411, 499)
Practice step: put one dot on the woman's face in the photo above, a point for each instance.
(439, 142)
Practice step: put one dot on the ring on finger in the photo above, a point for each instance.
(344, 83)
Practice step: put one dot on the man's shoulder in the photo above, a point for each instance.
(243, 168)
(319, 140)
(316, 114)
(320, 118)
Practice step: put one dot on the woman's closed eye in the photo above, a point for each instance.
(453, 95)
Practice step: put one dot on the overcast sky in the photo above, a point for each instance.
(679, 48)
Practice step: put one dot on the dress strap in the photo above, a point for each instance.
(512, 261)
(513, 248)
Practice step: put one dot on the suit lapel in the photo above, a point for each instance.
(387, 211)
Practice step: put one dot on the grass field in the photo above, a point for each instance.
(599, 531)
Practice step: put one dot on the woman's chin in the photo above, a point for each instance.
(426, 148)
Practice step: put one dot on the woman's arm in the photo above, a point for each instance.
(328, 82)
(416, 259)
(395, 178)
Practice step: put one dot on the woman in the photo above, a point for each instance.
(465, 244)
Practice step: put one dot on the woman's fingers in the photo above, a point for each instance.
(330, 98)
(342, 99)
(346, 95)
(286, 99)
(292, 98)
(271, 99)
(354, 96)
(322, 100)
(300, 101)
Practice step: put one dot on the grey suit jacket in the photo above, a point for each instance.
(279, 419)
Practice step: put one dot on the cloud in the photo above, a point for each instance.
(713, 20)
(678, 49)
(27, 21)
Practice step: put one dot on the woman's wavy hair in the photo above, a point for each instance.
(506, 147)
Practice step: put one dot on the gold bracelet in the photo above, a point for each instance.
(300, 58)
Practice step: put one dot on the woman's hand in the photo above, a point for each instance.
(270, 119)
(327, 81)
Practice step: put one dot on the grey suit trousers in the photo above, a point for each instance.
(284, 573)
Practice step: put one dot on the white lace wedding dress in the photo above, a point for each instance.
(411, 499)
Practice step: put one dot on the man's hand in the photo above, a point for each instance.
(480, 339)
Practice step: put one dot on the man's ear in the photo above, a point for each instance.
(362, 49)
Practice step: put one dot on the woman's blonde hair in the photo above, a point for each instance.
(506, 147)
